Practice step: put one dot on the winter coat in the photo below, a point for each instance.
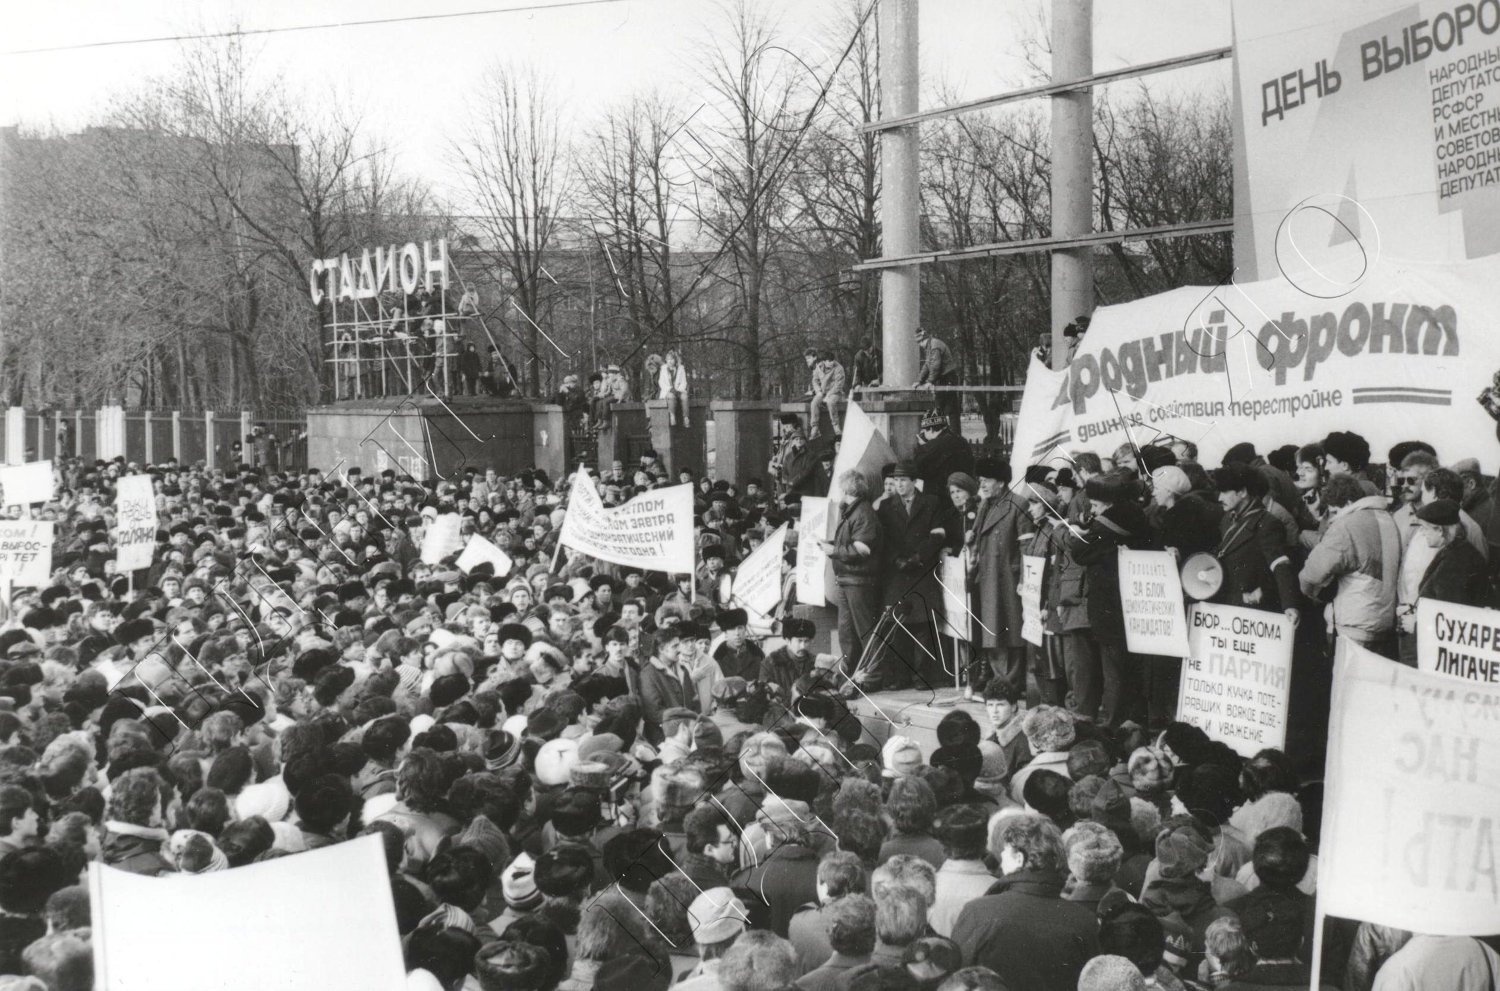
(936, 459)
(787, 878)
(1191, 525)
(1065, 594)
(1360, 557)
(136, 854)
(1252, 549)
(1027, 934)
(1098, 549)
(995, 570)
(1458, 574)
(662, 690)
(857, 522)
(912, 543)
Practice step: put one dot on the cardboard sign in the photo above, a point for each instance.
(1412, 787)
(812, 563)
(22, 485)
(1237, 675)
(26, 553)
(653, 531)
(1151, 599)
(321, 919)
(953, 572)
(1460, 641)
(135, 512)
(1032, 569)
(479, 550)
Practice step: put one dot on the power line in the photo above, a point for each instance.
(314, 27)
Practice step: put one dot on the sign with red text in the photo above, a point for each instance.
(1237, 675)
(1411, 791)
(1151, 600)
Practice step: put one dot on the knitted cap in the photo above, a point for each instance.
(518, 884)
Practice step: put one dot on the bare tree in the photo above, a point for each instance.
(746, 161)
(513, 164)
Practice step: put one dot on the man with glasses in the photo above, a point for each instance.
(1408, 486)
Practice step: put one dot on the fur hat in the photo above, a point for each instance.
(716, 916)
(1182, 852)
(555, 762)
(564, 870)
(731, 619)
(1150, 770)
(1108, 972)
(590, 774)
(599, 743)
(901, 756)
(795, 627)
(1048, 728)
(993, 468)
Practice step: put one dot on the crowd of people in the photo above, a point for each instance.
(590, 777)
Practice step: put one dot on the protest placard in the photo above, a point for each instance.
(757, 581)
(441, 538)
(953, 572)
(135, 514)
(1151, 599)
(22, 485)
(321, 919)
(812, 563)
(1411, 788)
(25, 553)
(1032, 569)
(653, 531)
(1461, 641)
(1236, 676)
(478, 550)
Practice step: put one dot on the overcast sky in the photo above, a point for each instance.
(410, 78)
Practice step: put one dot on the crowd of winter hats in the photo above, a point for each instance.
(290, 673)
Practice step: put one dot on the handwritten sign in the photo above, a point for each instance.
(1151, 599)
(478, 550)
(812, 563)
(1032, 569)
(653, 531)
(135, 511)
(1412, 785)
(22, 485)
(1461, 641)
(1236, 676)
(26, 553)
(757, 581)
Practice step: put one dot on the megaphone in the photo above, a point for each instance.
(1202, 577)
(725, 590)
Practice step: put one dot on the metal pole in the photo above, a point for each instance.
(1072, 167)
(900, 193)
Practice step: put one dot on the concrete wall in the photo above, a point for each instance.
(422, 438)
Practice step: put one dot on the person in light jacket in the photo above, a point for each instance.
(672, 385)
(1358, 561)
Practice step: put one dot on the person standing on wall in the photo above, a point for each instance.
(939, 368)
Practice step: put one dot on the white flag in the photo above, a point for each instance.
(22, 485)
(478, 550)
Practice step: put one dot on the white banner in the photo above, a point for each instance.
(441, 537)
(26, 553)
(812, 563)
(1151, 599)
(1032, 569)
(757, 581)
(135, 511)
(478, 550)
(22, 485)
(1462, 641)
(653, 531)
(1403, 354)
(1237, 675)
(321, 919)
(1411, 790)
(954, 574)
(1364, 127)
